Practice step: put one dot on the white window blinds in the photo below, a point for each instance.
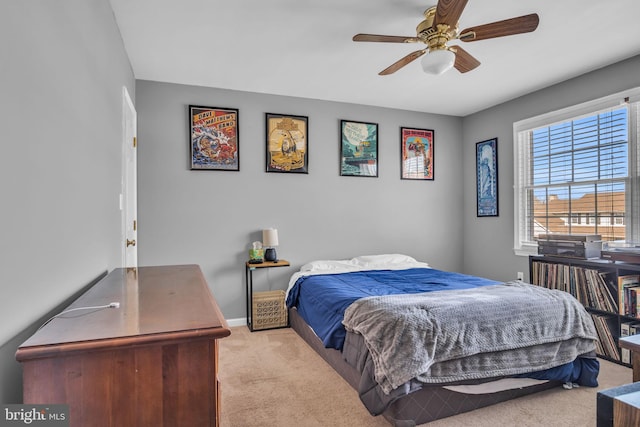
(576, 172)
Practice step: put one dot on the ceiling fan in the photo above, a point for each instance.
(440, 26)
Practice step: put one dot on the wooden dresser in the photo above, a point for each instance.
(151, 362)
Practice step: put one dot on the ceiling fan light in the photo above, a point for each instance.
(438, 61)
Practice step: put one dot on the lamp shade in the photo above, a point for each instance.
(270, 237)
(437, 62)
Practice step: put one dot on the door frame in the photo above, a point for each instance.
(129, 195)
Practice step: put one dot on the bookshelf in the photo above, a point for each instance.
(610, 291)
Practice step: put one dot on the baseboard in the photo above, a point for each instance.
(237, 322)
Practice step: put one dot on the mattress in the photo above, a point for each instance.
(424, 404)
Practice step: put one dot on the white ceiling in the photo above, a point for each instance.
(303, 48)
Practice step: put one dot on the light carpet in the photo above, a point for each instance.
(273, 378)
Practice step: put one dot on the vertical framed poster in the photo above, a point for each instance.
(487, 177)
(416, 153)
(287, 143)
(213, 138)
(358, 148)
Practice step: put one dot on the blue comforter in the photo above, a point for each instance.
(322, 299)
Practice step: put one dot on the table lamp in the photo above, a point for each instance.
(269, 241)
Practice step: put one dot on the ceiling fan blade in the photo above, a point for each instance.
(402, 62)
(384, 39)
(519, 25)
(464, 61)
(448, 12)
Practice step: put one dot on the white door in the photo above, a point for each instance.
(129, 200)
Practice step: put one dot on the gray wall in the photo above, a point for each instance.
(211, 217)
(488, 241)
(62, 71)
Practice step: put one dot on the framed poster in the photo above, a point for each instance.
(416, 153)
(487, 177)
(213, 138)
(358, 148)
(287, 143)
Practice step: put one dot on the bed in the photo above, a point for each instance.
(420, 344)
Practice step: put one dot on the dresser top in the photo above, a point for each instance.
(156, 303)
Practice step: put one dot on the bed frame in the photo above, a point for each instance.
(422, 406)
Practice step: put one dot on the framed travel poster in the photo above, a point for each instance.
(487, 177)
(416, 153)
(213, 138)
(287, 143)
(358, 148)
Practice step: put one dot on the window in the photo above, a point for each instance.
(576, 172)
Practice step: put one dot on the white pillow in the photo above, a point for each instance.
(328, 265)
(383, 260)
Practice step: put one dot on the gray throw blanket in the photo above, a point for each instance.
(484, 332)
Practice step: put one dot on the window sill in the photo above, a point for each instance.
(526, 250)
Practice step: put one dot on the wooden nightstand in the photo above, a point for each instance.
(272, 311)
